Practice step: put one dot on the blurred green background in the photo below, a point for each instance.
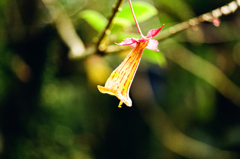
(186, 98)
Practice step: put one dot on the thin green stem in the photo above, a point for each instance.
(135, 19)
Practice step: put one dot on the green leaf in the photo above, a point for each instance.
(122, 22)
(155, 57)
(95, 19)
(142, 10)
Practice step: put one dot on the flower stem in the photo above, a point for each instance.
(135, 19)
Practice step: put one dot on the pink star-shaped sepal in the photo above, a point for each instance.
(152, 45)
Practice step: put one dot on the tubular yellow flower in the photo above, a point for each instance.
(119, 82)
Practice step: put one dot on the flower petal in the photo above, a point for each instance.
(152, 45)
(153, 32)
(128, 41)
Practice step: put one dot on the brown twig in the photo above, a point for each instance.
(116, 8)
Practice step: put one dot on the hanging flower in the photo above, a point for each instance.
(119, 82)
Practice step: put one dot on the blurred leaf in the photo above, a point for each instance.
(95, 19)
(119, 24)
(155, 57)
(166, 18)
(122, 22)
(180, 8)
(142, 10)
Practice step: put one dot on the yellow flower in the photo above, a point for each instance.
(119, 82)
